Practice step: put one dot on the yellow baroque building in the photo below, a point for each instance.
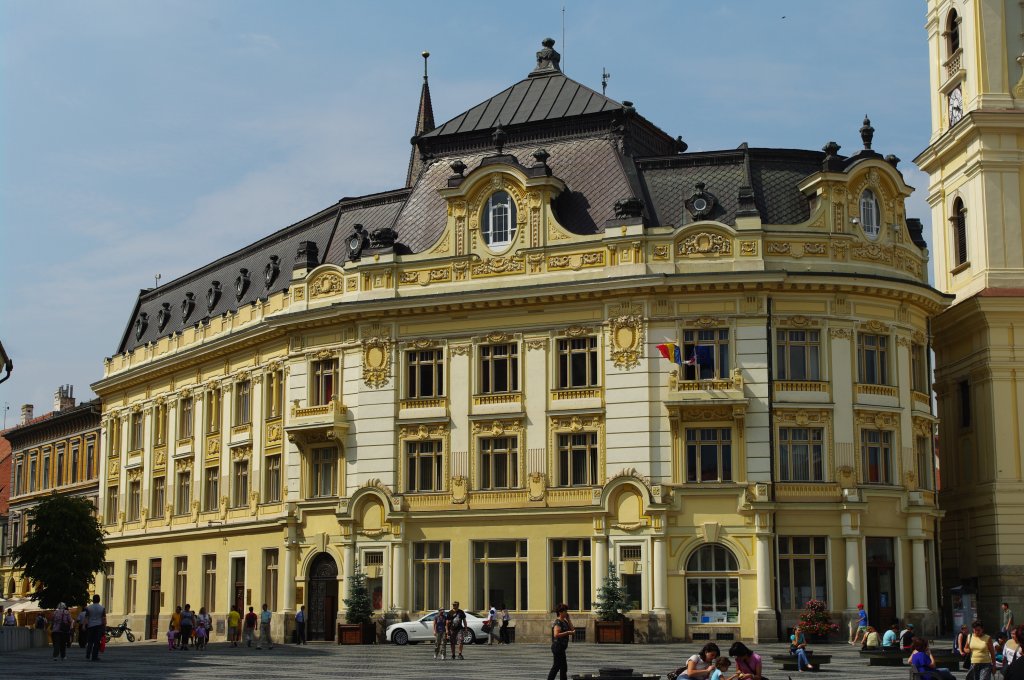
(975, 160)
(457, 386)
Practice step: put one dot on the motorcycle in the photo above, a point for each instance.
(117, 632)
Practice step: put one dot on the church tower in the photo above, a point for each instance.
(975, 160)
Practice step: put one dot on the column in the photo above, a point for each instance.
(660, 580)
(920, 577)
(348, 552)
(398, 572)
(764, 572)
(600, 562)
(291, 555)
(852, 573)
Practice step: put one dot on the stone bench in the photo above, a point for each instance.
(789, 663)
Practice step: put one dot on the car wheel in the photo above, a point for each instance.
(400, 637)
(468, 636)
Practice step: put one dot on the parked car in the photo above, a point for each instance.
(422, 630)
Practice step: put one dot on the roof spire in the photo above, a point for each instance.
(424, 123)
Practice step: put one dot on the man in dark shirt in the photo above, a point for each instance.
(250, 627)
(188, 621)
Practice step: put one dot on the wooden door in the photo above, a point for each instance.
(881, 566)
(322, 600)
(153, 612)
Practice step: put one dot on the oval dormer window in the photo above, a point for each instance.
(241, 283)
(187, 305)
(163, 316)
(499, 223)
(270, 273)
(870, 218)
(212, 296)
(140, 325)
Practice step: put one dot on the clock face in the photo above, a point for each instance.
(354, 243)
(956, 106)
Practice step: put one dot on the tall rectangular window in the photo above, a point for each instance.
(135, 432)
(499, 463)
(425, 373)
(211, 488)
(706, 353)
(274, 399)
(797, 355)
(324, 470)
(919, 368)
(213, 408)
(803, 570)
(210, 582)
(925, 463)
(872, 359)
(272, 478)
(323, 374)
(243, 402)
(800, 454)
(964, 391)
(61, 464)
(47, 471)
(578, 363)
(270, 578)
(499, 368)
(32, 474)
(186, 417)
(571, 573)
(131, 577)
(240, 483)
(114, 436)
(431, 585)
(183, 492)
(19, 477)
(180, 581)
(112, 506)
(158, 497)
(108, 585)
(876, 456)
(577, 459)
(134, 500)
(424, 462)
(501, 574)
(76, 461)
(90, 459)
(709, 454)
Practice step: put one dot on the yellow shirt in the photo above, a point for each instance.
(872, 640)
(233, 619)
(175, 621)
(979, 649)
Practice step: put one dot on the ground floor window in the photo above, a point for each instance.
(108, 585)
(431, 587)
(270, 579)
(712, 586)
(131, 576)
(209, 581)
(500, 573)
(180, 581)
(803, 570)
(571, 573)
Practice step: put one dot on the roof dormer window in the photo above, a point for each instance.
(499, 228)
(870, 218)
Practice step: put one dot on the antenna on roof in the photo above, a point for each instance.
(156, 279)
(563, 38)
(604, 79)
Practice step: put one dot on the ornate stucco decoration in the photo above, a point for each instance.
(627, 335)
(212, 446)
(274, 434)
(876, 326)
(660, 252)
(497, 338)
(708, 413)
(422, 343)
(459, 489)
(878, 419)
(134, 475)
(748, 248)
(240, 453)
(536, 343)
(495, 266)
(114, 468)
(324, 284)
(537, 483)
(497, 428)
(460, 350)
(376, 361)
(798, 321)
(706, 322)
(705, 243)
(394, 501)
(183, 464)
(843, 333)
(576, 423)
(423, 431)
(577, 331)
(254, 501)
(710, 531)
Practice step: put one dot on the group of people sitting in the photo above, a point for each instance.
(889, 641)
(709, 664)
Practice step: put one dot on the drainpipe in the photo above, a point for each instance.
(771, 459)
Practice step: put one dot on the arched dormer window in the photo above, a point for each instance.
(870, 216)
(712, 586)
(499, 223)
(952, 33)
(959, 222)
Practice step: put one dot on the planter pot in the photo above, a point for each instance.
(614, 632)
(357, 633)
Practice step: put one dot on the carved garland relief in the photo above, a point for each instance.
(704, 243)
(627, 336)
(376, 361)
(326, 284)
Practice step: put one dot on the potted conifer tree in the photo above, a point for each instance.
(358, 628)
(612, 624)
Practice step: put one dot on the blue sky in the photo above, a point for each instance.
(151, 137)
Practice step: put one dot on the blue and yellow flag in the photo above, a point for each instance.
(672, 352)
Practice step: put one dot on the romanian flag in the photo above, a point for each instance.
(672, 352)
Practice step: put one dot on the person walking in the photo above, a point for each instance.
(188, 623)
(561, 631)
(203, 624)
(983, 656)
(862, 625)
(491, 625)
(300, 625)
(1007, 626)
(456, 629)
(250, 627)
(80, 627)
(9, 619)
(440, 628)
(504, 624)
(175, 625)
(233, 625)
(96, 624)
(265, 617)
(60, 629)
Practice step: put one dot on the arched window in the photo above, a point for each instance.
(952, 33)
(870, 217)
(959, 221)
(712, 585)
(499, 228)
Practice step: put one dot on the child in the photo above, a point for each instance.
(201, 636)
(172, 635)
(721, 666)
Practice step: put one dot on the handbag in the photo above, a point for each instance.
(487, 626)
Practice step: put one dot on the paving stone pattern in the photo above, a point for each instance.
(152, 661)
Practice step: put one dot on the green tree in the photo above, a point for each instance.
(358, 608)
(612, 602)
(62, 551)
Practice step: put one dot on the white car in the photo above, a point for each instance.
(422, 630)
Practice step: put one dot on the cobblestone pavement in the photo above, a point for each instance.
(152, 661)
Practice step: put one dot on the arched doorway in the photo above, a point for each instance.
(322, 601)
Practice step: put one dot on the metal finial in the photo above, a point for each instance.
(499, 138)
(425, 55)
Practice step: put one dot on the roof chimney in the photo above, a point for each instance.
(26, 413)
(64, 398)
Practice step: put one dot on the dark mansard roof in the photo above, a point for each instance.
(603, 150)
